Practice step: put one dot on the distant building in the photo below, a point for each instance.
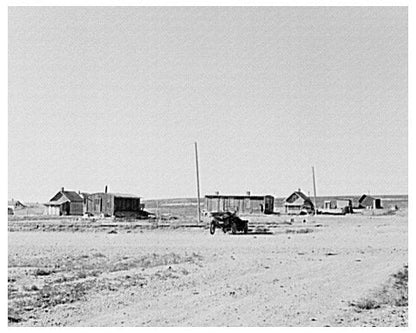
(113, 204)
(368, 202)
(247, 204)
(298, 203)
(65, 203)
(16, 204)
(343, 205)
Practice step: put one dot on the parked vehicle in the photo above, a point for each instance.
(227, 221)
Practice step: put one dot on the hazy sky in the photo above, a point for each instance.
(116, 96)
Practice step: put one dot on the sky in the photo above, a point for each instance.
(117, 96)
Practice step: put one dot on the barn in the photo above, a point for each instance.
(368, 202)
(113, 204)
(246, 204)
(65, 203)
(297, 203)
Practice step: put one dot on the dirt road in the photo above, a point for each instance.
(190, 278)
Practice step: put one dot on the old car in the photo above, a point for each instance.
(227, 221)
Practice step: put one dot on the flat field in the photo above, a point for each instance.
(328, 271)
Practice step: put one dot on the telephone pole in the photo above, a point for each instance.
(197, 183)
(314, 188)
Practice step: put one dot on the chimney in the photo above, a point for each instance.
(105, 190)
(217, 193)
(299, 190)
(62, 189)
(248, 193)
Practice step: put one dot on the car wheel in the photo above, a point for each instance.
(212, 228)
(234, 228)
(245, 228)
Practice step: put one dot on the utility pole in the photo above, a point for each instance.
(314, 188)
(157, 213)
(197, 183)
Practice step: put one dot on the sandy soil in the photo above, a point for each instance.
(189, 278)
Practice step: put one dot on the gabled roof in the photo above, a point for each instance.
(302, 195)
(15, 203)
(366, 200)
(365, 197)
(299, 194)
(72, 196)
(58, 202)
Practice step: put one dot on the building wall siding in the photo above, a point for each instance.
(76, 208)
(109, 204)
(241, 204)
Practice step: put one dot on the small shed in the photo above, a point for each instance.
(368, 202)
(297, 203)
(113, 204)
(338, 203)
(246, 204)
(65, 203)
(341, 205)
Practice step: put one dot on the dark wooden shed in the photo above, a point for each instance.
(369, 202)
(113, 204)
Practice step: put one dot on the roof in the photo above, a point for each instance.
(365, 197)
(70, 195)
(300, 195)
(62, 199)
(366, 200)
(125, 195)
(15, 203)
(255, 197)
(118, 195)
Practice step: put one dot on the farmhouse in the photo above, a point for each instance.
(113, 204)
(65, 203)
(368, 202)
(240, 203)
(298, 203)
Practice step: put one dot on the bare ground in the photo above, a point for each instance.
(186, 277)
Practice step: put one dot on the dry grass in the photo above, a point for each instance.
(393, 293)
(71, 278)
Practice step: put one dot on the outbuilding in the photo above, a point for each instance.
(114, 204)
(16, 204)
(368, 202)
(340, 205)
